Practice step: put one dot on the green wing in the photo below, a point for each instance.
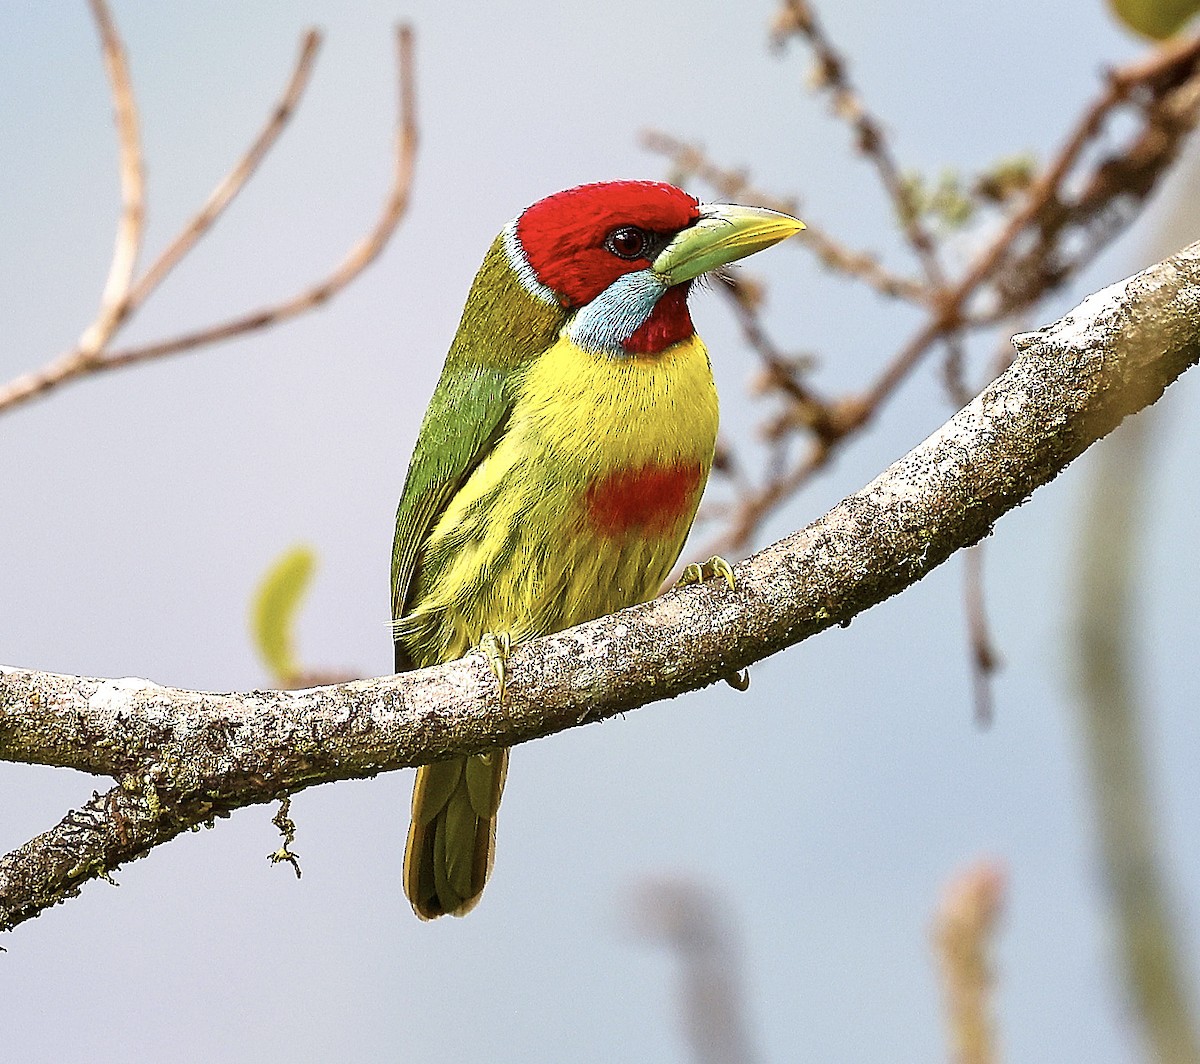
(504, 328)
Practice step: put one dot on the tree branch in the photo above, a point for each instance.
(189, 756)
(831, 74)
(86, 844)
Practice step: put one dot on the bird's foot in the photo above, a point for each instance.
(496, 647)
(698, 572)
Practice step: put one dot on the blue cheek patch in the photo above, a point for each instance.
(610, 319)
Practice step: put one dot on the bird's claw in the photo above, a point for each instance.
(496, 647)
(698, 572)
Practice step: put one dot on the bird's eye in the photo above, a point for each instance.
(627, 242)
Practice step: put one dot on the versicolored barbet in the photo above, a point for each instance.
(559, 465)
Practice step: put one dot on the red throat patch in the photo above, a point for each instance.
(669, 322)
(651, 498)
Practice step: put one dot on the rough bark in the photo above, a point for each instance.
(183, 758)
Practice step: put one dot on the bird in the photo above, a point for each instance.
(559, 465)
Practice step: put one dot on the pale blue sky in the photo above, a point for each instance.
(828, 805)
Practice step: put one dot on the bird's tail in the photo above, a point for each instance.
(453, 833)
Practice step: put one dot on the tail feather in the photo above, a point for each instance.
(452, 838)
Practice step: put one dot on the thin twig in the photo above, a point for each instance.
(954, 374)
(86, 360)
(689, 161)
(863, 265)
(831, 74)
(232, 183)
(357, 259)
(1166, 87)
(114, 300)
(753, 508)
(782, 372)
(984, 658)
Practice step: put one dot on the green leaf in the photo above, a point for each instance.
(273, 612)
(1159, 19)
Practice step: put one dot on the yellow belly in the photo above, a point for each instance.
(581, 508)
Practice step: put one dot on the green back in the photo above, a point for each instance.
(504, 328)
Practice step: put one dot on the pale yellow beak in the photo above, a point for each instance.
(725, 232)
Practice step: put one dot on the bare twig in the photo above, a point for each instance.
(233, 182)
(192, 756)
(688, 162)
(1163, 90)
(753, 506)
(984, 658)
(357, 259)
(114, 302)
(862, 265)
(123, 295)
(831, 74)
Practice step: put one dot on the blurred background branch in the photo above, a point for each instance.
(692, 924)
(963, 930)
(1150, 942)
(1152, 945)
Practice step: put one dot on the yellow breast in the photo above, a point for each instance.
(583, 505)
(601, 414)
